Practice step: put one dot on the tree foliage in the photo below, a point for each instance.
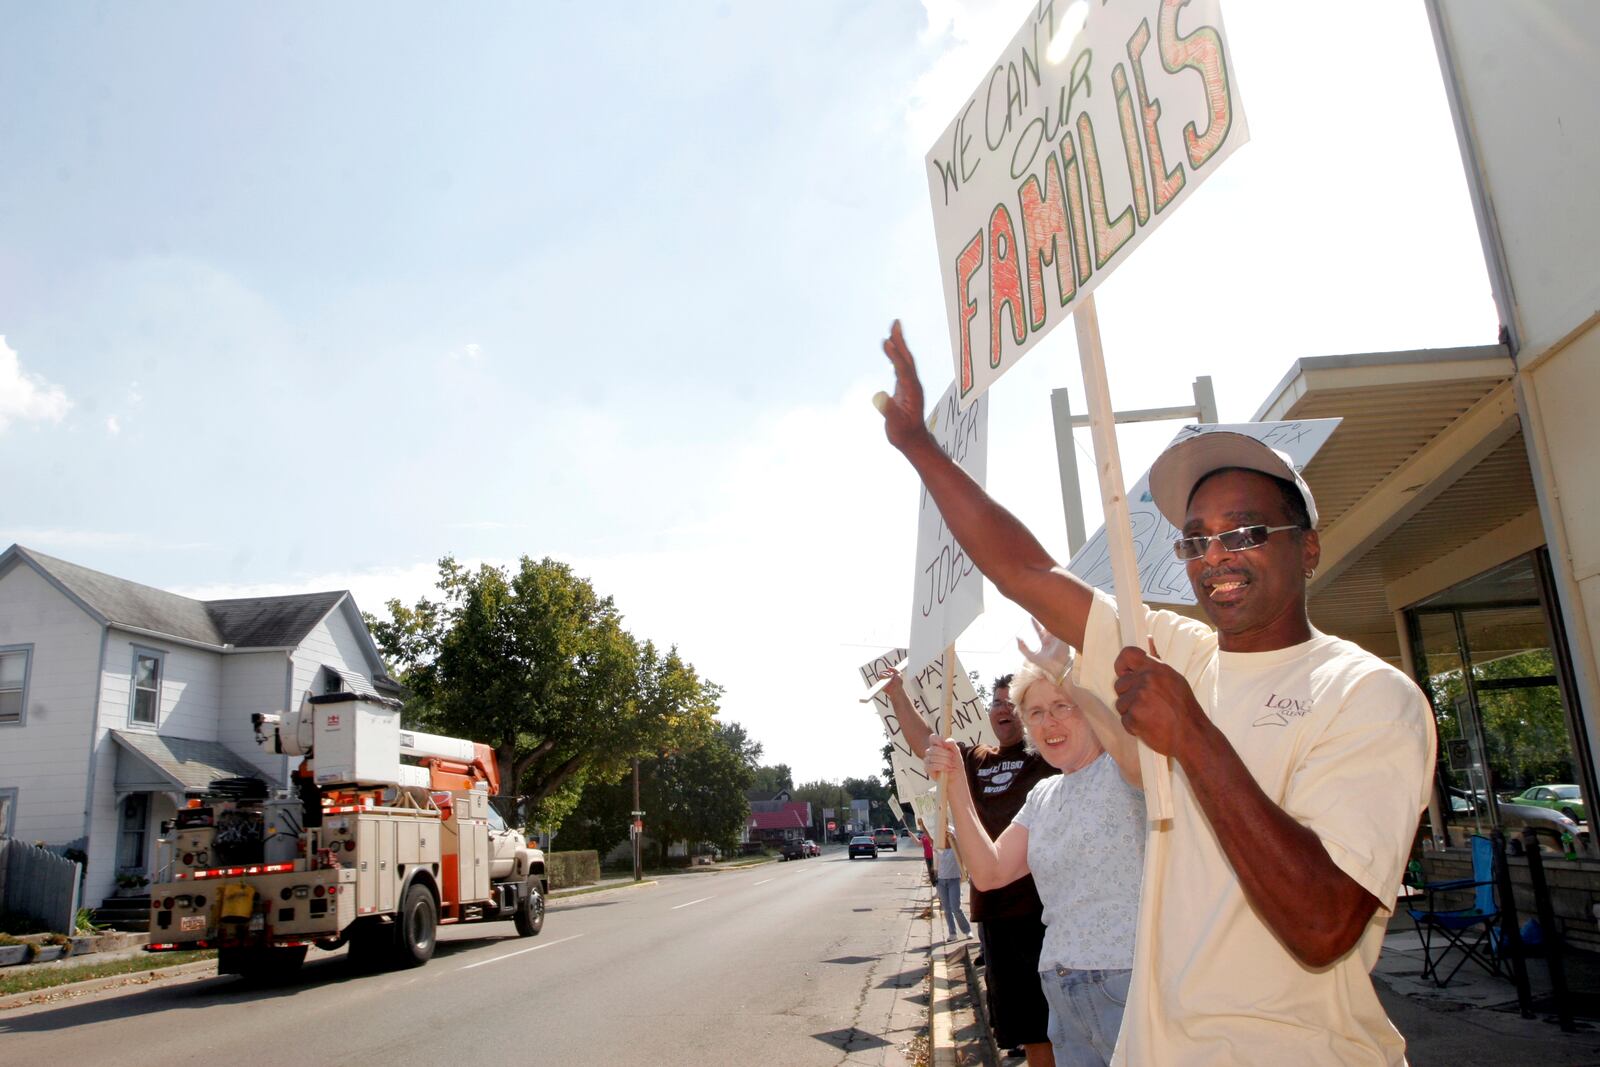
(695, 794)
(1525, 728)
(536, 663)
(770, 781)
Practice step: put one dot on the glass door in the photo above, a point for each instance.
(1509, 745)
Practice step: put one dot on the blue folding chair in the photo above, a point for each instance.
(1475, 930)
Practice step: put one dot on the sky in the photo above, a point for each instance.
(300, 297)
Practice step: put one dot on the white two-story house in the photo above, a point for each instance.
(118, 702)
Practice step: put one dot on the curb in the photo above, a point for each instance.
(957, 1034)
(94, 985)
(584, 890)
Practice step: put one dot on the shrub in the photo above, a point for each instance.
(567, 869)
(7, 940)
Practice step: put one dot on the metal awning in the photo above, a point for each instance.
(1426, 478)
(151, 762)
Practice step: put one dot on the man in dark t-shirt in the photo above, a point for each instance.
(1011, 924)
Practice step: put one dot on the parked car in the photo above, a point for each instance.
(1550, 825)
(863, 845)
(1567, 799)
(884, 837)
(812, 848)
(1468, 800)
(794, 849)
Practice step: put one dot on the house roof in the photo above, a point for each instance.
(189, 766)
(270, 621)
(776, 820)
(246, 622)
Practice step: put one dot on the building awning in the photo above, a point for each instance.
(149, 762)
(353, 682)
(1425, 481)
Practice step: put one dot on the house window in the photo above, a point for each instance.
(146, 687)
(14, 662)
(8, 811)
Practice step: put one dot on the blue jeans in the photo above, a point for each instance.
(950, 904)
(1085, 1014)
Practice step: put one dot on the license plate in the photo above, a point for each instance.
(191, 922)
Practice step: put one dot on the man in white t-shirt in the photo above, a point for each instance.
(1300, 762)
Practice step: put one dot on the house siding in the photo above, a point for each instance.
(191, 692)
(333, 642)
(254, 682)
(43, 757)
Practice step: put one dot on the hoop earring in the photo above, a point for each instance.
(1310, 575)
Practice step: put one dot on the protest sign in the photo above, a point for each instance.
(949, 588)
(1069, 152)
(969, 719)
(1162, 577)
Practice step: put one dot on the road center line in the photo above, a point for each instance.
(520, 951)
(763, 881)
(702, 900)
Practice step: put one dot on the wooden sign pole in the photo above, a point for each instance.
(1155, 768)
(942, 839)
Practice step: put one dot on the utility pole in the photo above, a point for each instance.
(636, 828)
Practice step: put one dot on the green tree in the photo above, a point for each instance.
(693, 794)
(1525, 727)
(770, 781)
(536, 664)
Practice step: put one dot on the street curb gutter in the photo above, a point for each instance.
(957, 1036)
(94, 985)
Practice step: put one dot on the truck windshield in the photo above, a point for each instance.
(495, 821)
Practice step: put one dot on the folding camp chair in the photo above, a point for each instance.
(1444, 929)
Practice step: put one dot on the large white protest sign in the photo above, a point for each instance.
(949, 588)
(969, 720)
(1162, 577)
(1065, 157)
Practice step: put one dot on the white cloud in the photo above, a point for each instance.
(113, 427)
(468, 353)
(27, 397)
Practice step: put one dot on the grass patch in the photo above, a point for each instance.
(47, 977)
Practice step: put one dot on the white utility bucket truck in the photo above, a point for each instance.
(367, 850)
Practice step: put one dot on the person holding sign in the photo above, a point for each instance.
(1300, 761)
(1080, 834)
(1009, 914)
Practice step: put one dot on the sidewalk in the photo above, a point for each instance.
(1474, 1019)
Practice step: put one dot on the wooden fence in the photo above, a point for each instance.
(39, 884)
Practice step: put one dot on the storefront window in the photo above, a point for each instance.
(1486, 656)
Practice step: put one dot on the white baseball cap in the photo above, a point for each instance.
(1180, 468)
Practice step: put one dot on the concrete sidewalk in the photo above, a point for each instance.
(1474, 1019)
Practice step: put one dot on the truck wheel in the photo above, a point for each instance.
(414, 928)
(530, 911)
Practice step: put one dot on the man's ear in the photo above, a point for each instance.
(1311, 549)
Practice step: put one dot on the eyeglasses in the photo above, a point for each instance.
(1240, 540)
(999, 705)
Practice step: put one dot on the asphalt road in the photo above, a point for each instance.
(788, 963)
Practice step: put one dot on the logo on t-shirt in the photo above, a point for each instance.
(1282, 709)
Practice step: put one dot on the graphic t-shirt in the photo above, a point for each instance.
(999, 780)
(1086, 849)
(1344, 744)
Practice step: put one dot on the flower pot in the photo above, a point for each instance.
(46, 953)
(10, 954)
(83, 944)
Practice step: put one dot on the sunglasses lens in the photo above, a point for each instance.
(1187, 548)
(1243, 538)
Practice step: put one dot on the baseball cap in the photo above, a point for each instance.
(1181, 467)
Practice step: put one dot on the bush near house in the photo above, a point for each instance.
(567, 869)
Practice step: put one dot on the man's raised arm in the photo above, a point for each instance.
(999, 545)
(913, 727)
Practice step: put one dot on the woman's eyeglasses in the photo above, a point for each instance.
(1240, 540)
